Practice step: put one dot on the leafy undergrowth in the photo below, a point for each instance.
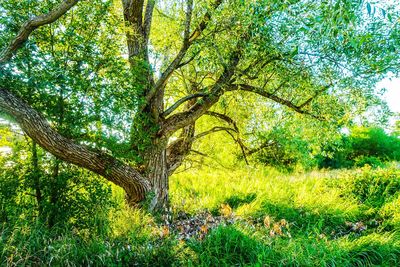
(249, 217)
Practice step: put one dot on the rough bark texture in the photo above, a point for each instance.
(157, 173)
(180, 148)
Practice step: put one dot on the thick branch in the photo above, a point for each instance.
(171, 109)
(37, 128)
(148, 18)
(33, 24)
(178, 150)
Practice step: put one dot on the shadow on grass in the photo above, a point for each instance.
(236, 201)
(375, 254)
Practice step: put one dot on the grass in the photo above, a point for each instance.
(322, 218)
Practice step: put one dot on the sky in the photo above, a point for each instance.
(392, 95)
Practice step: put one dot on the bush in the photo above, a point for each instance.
(364, 145)
(372, 161)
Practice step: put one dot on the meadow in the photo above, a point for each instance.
(250, 216)
(199, 133)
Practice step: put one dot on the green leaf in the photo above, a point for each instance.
(369, 9)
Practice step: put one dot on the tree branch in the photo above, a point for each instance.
(229, 131)
(263, 65)
(204, 22)
(171, 109)
(277, 99)
(262, 146)
(185, 46)
(238, 140)
(37, 128)
(223, 117)
(148, 18)
(213, 130)
(33, 24)
(187, 61)
(308, 101)
(182, 119)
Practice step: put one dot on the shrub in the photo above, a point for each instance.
(364, 145)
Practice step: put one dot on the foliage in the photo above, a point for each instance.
(364, 145)
(48, 192)
(283, 78)
(228, 246)
(373, 188)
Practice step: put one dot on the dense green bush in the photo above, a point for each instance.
(363, 146)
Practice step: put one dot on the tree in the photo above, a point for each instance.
(186, 61)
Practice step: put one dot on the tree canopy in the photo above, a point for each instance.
(125, 88)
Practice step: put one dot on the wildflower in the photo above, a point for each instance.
(165, 231)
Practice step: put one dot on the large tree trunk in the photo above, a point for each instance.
(157, 173)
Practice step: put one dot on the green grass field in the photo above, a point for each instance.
(247, 217)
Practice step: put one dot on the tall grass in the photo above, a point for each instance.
(324, 218)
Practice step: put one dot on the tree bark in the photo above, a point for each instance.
(157, 173)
